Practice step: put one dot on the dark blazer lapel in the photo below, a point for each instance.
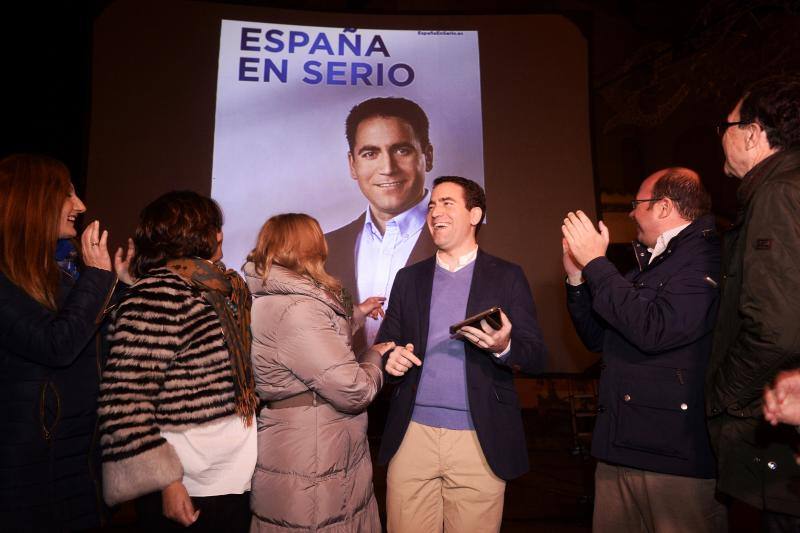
(341, 261)
(350, 262)
(482, 287)
(424, 285)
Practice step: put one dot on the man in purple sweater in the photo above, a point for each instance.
(454, 433)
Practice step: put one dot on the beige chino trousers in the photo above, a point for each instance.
(439, 482)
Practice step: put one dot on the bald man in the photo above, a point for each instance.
(653, 325)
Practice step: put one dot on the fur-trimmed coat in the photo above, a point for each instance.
(168, 369)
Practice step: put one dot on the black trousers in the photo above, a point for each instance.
(228, 512)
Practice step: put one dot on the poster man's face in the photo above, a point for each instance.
(389, 164)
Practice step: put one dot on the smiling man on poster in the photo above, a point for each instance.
(389, 154)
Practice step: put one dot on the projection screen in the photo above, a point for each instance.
(175, 106)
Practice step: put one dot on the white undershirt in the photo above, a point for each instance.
(217, 458)
(663, 241)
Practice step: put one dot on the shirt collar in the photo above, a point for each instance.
(407, 222)
(663, 240)
(463, 261)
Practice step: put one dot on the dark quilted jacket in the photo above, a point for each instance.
(49, 375)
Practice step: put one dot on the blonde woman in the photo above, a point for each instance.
(314, 468)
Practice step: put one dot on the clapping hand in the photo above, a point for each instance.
(574, 272)
(122, 266)
(583, 241)
(94, 247)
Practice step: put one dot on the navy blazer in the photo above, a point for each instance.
(493, 401)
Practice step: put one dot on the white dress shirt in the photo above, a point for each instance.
(379, 257)
(663, 241)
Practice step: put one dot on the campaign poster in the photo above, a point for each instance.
(283, 94)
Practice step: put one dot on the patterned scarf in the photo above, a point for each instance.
(227, 292)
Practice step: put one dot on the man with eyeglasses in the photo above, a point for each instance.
(655, 469)
(758, 329)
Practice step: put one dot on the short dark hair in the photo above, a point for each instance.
(175, 225)
(684, 188)
(473, 194)
(391, 106)
(774, 103)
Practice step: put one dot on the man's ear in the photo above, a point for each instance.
(428, 157)
(665, 207)
(350, 164)
(475, 215)
(755, 136)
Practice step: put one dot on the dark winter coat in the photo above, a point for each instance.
(49, 375)
(654, 327)
(758, 333)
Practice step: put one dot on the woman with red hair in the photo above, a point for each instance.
(49, 361)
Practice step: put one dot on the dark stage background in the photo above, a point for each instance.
(655, 78)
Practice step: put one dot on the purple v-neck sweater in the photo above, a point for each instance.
(442, 393)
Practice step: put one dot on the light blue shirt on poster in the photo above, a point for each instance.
(379, 257)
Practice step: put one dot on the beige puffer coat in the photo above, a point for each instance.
(314, 471)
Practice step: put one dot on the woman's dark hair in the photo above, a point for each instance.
(175, 225)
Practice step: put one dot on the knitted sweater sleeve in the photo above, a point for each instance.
(146, 335)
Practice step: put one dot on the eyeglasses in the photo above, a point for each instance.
(722, 127)
(635, 203)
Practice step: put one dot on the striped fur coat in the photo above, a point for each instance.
(168, 369)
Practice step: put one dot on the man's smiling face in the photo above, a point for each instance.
(389, 164)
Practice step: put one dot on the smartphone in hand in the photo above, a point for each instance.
(491, 316)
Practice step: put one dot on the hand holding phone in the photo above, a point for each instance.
(489, 331)
(491, 315)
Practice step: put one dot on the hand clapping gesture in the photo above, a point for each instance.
(94, 247)
(94, 252)
(584, 242)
